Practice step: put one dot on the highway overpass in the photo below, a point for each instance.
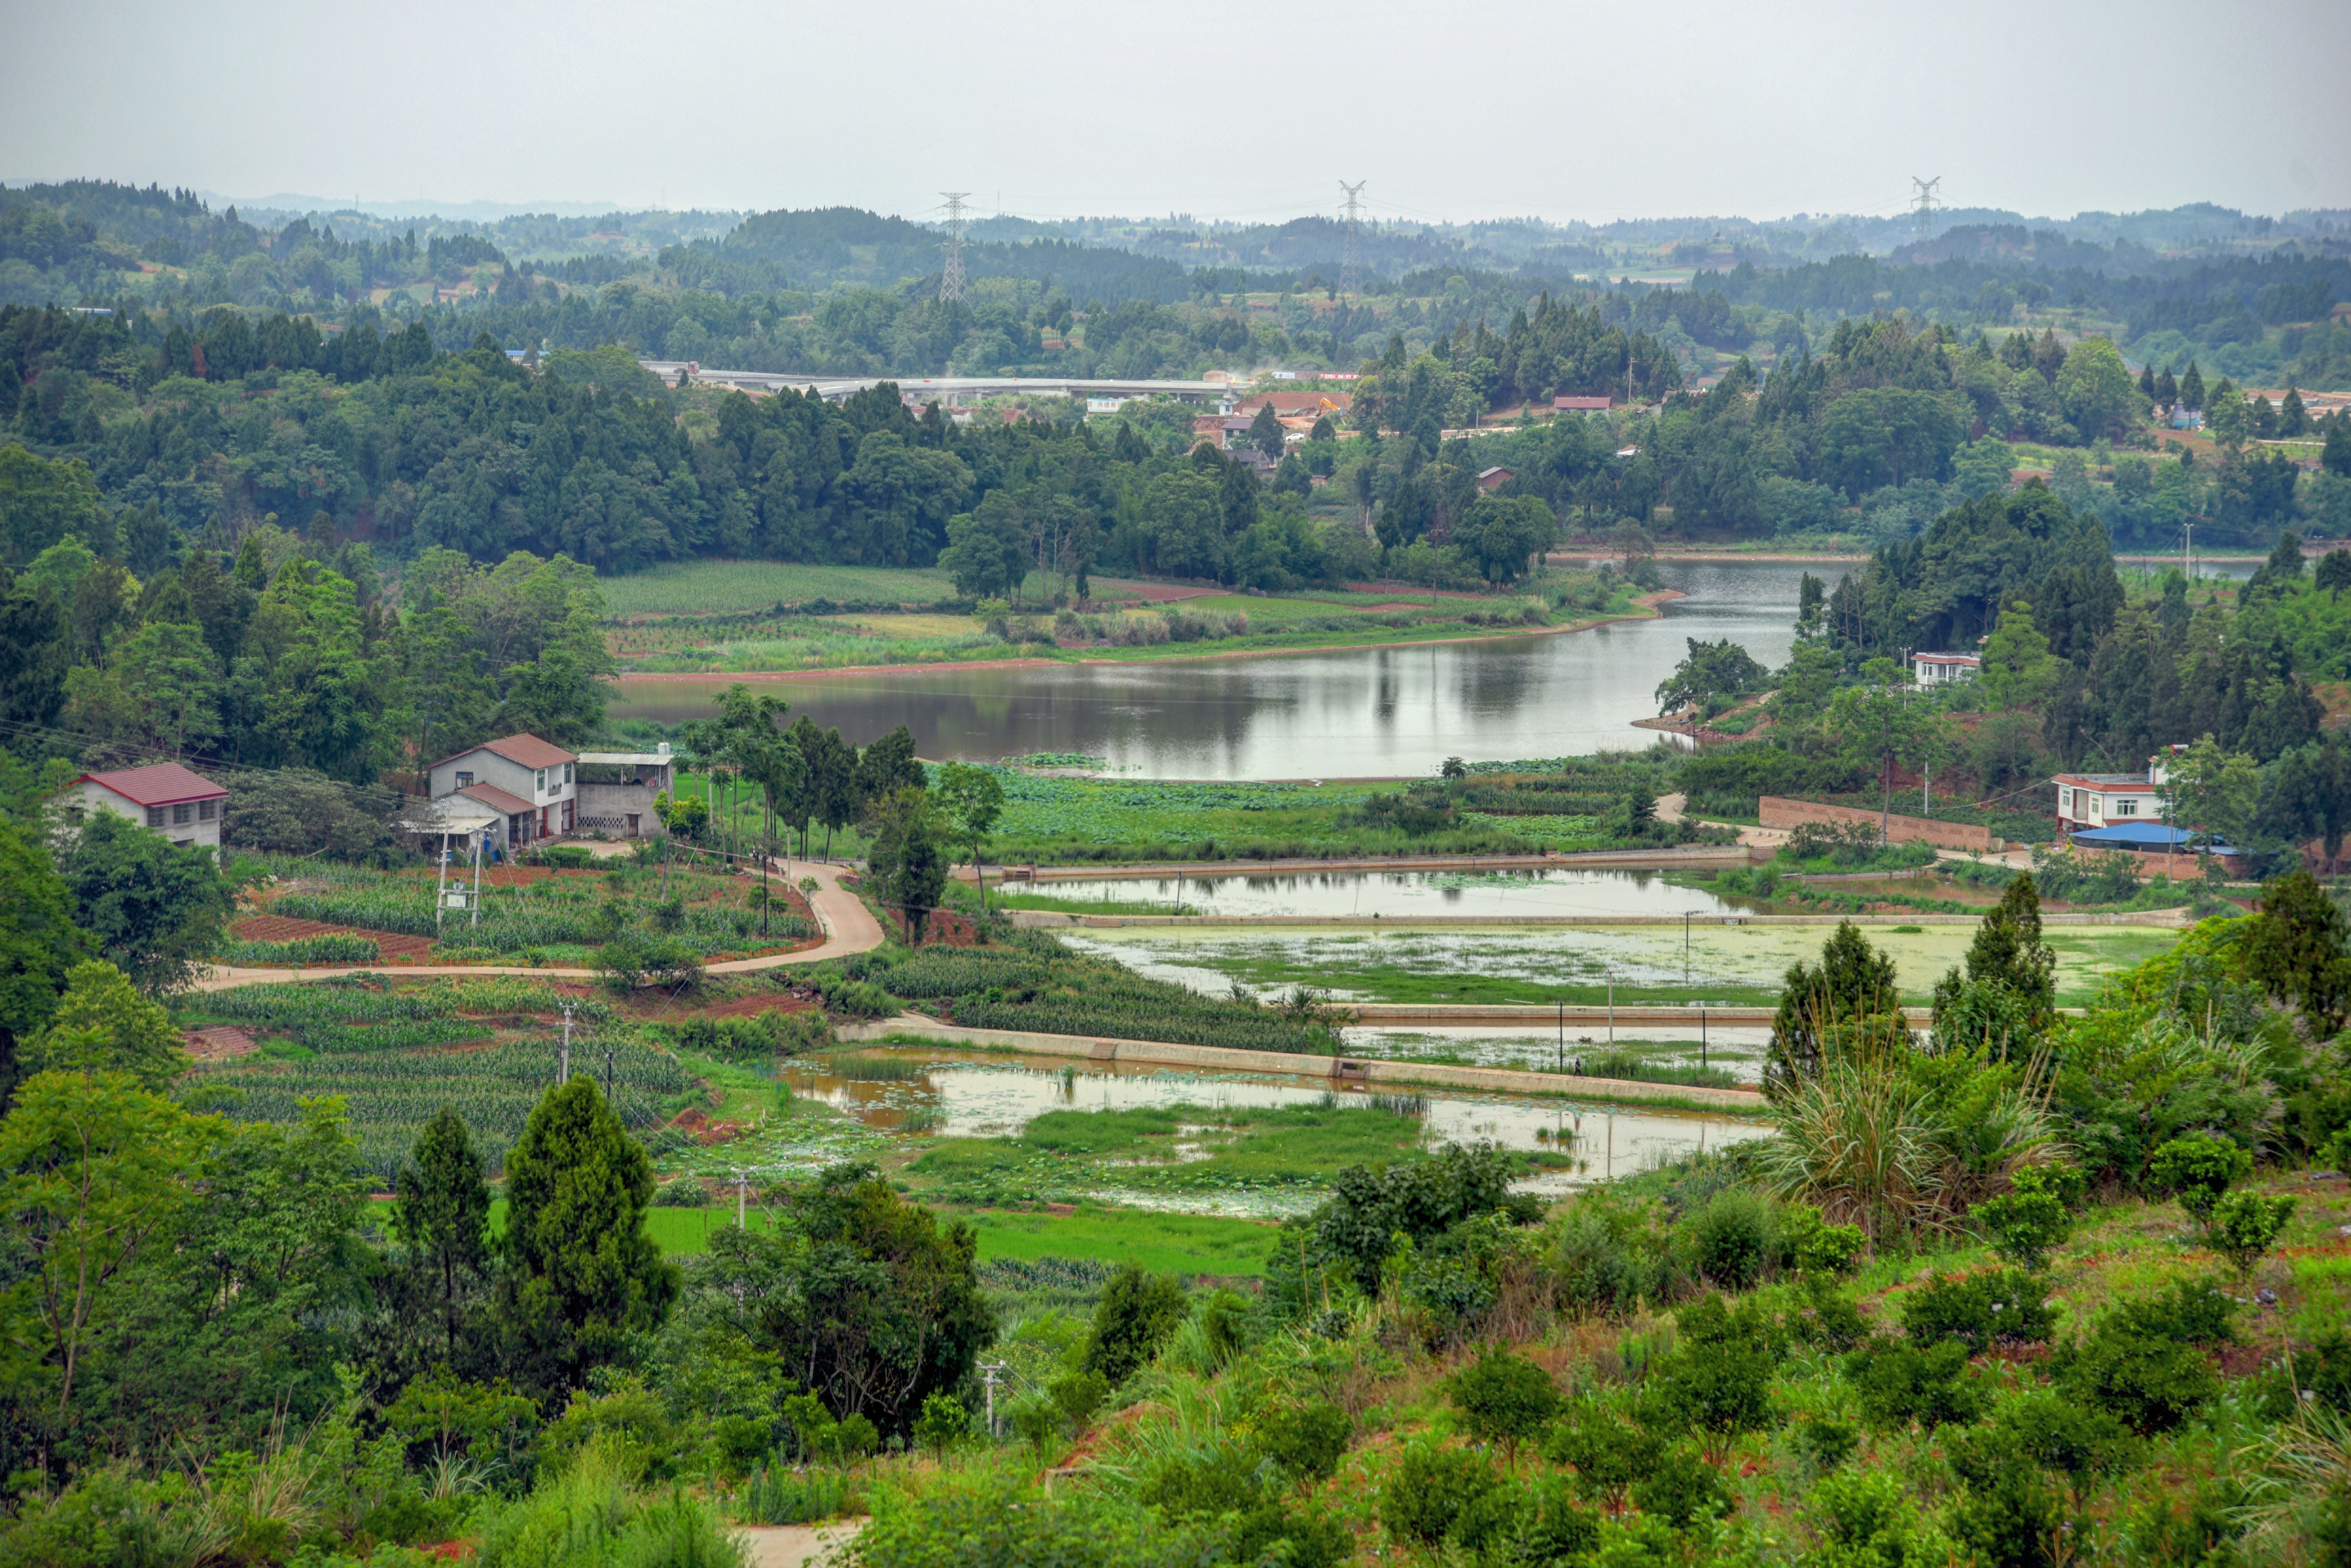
(945, 390)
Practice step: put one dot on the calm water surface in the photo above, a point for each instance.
(1359, 714)
(1397, 895)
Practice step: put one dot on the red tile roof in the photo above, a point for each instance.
(497, 799)
(165, 784)
(1582, 402)
(527, 750)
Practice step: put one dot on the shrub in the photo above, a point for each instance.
(685, 1192)
(2029, 1220)
(1136, 1314)
(942, 1422)
(1608, 1455)
(1430, 1489)
(1681, 1490)
(1718, 1380)
(1731, 1237)
(2056, 1434)
(2149, 1382)
(1899, 1383)
(1507, 1398)
(1995, 1304)
(1868, 1518)
(631, 963)
(1827, 1441)
(778, 1494)
(2198, 1170)
(2244, 1225)
(1306, 1440)
(2190, 1313)
(1804, 1243)
(1830, 1320)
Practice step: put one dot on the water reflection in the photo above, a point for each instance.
(973, 1094)
(1398, 895)
(1366, 713)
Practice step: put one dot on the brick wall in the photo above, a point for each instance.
(1776, 812)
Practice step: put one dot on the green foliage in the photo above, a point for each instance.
(1978, 1309)
(2198, 1170)
(1899, 1383)
(1306, 1440)
(2133, 1367)
(2244, 1225)
(579, 1275)
(1717, 1377)
(1419, 1199)
(1505, 1398)
(1430, 1489)
(1137, 1314)
(2026, 1222)
(2299, 947)
(1731, 1237)
(333, 947)
(103, 1025)
(942, 1422)
(441, 1218)
(157, 910)
(1681, 1490)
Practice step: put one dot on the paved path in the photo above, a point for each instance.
(849, 927)
(798, 1545)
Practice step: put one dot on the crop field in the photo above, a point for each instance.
(1741, 965)
(546, 915)
(735, 587)
(396, 1056)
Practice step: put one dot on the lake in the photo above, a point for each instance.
(1365, 713)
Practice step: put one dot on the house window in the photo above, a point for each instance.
(540, 787)
(464, 780)
(569, 820)
(567, 773)
(2126, 806)
(205, 808)
(2094, 806)
(155, 816)
(181, 813)
(2064, 799)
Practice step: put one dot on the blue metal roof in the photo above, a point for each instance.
(2143, 836)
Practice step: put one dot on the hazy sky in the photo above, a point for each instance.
(1057, 108)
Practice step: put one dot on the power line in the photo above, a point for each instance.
(1351, 275)
(951, 271)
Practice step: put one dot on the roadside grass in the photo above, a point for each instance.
(1062, 904)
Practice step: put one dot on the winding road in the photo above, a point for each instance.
(849, 927)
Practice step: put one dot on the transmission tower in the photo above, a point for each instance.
(951, 271)
(1924, 201)
(1351, 274)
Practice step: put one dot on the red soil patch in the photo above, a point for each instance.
(220, 1042)
(395, 946)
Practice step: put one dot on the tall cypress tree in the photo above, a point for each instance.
(580, 1273)
(441, 1217)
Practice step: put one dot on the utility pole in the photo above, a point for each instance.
(473, 904)
(951, 252)
(1351, 272)
(563, 1070)
(1924, 201)
(988, 1372)
(441, 893)
(742, 1198)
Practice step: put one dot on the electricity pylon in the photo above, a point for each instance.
(1351, 273)
(951, 269)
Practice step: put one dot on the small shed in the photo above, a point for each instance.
(617, 791)
(1494, 478)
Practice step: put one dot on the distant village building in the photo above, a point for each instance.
(1492, 480)
(184, 807)
(532, 784)
(1942, 669)
(1564, 404)
(2087, 801)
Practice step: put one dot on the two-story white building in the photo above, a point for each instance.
(2091, 800)
(533, 784)
(186, 808)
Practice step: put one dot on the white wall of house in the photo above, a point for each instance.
(188, 822)
(549, 788)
